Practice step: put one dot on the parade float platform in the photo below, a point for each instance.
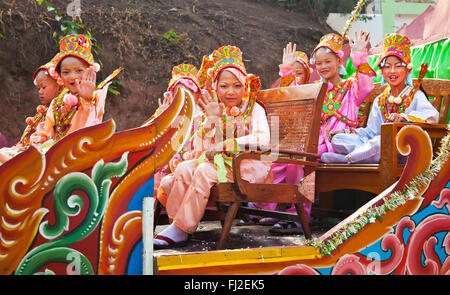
(246, 243)
(77, 209)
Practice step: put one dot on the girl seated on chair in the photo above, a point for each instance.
(343, 98)
(233, 120)
(401, 101)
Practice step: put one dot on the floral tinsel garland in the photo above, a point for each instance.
(391, 202)
(353, 16)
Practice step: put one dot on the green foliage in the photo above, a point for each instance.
(171, 37)
(1, 35)
(113, 87)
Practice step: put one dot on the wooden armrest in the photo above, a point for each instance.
(276, 157)
(388, 153)
(434, 130)
(422, 125)
(275, 150)
(305, 154)
(240, 184)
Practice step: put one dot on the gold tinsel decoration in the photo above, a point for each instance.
(391, 202)
(353, 17)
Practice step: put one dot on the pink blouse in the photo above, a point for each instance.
(88, 114)
(361, 84)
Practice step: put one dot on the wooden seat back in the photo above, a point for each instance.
(293, 114)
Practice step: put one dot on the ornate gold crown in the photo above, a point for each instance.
(332, 41)
(227, 56)
(50, 67)
(76, 45)
(397, 45)
(184, 71)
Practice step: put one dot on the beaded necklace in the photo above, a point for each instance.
(236, 124)
(62, 114)
(333, 102)
(388, 108)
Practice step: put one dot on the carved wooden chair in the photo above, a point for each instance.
(377, 177)
(293, 140)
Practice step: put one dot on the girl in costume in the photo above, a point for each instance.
(44, 79)
(185, 74)
(343, 98)
(233, 120)
(295, 68)
(80, 104)
(401, 101)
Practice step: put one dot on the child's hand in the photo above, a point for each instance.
(211, 106)
(332, 133)
(166, 102)
(215, 149)
(361, 41)
(290, 54)
(395, 118)
(86, 86)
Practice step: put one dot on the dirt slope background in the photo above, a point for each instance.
(147, 38)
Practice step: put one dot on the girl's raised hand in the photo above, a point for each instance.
(166, 101)
(211, 105)
(361, 41)
(290, 54)
(86, 86)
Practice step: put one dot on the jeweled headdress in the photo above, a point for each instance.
(303, 59)
(397, 45)
(227, 56)
(204, 75)
(332, 41)
(76, 45)
(184, 71)
(49, 67)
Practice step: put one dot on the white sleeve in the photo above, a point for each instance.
(259, 129)
(422, 108)
(373, 127)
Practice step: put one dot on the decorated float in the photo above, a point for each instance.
(78, 208)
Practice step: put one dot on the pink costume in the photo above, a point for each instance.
(86, 114)
(341, 105)
(185, 193)
(67, 112)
